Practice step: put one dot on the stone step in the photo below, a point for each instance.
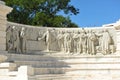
(23, 57)
(59, 64)
(87, 76)
(64, 70)
(50, 77)
(55, 64)
(55, 77)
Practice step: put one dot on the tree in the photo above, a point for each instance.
(41, 12)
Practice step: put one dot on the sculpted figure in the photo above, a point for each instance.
(83, 40)
(67, 42)
(91, 38)
(23, 40)
(13, 41)
(76, 42)
(60, 39)
(9, 38)
(47, 38)
(105, 43)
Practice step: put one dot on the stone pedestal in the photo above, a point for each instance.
(4, 10)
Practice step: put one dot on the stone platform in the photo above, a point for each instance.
(69, 67)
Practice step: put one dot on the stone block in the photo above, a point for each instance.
(39, 71)
(9, 66)
(13, 73)
(42, 63)
(4, 72)
(25, 70)
(3, 58)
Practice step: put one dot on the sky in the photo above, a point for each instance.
(95, 13)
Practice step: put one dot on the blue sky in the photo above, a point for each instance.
(96, 12)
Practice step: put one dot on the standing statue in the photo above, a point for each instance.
(23, 40)
(8, 38)
(47, 38)
(83, 41)
(75, 42)
(91, 39)
(105, 43)
(67, 42)
(13, 40)
(60, 39)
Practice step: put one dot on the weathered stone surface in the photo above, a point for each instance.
(9, 66)
(3, 21)
(2, 40)
(3, 58)
(3, 27)
(67, 40)
(3, 47)
(2, 34)
(4, 10)
(26, 70)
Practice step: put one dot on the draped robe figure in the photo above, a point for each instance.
(83, 41)
(76, 45)
(15, 40)
(91, 47)
(9, 38)
(105, 43)
(60, 39)
(67, 42)
(23, 40)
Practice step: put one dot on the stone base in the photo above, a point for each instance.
(70, 67)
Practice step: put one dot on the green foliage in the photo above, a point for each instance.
(41, 12)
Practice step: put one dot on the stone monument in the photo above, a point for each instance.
(70, 41)
(44, 53)
(4, 10)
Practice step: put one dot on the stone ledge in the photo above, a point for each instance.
(9, 66)
(25, 70)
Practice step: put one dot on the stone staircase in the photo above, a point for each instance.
(70, 67)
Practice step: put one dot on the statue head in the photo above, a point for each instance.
(105, 30)
(23, 29)
(13, 27)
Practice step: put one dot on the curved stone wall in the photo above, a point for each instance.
(65, 40)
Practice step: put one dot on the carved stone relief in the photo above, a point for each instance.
(70, 41)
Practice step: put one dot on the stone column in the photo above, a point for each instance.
(4, 10)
